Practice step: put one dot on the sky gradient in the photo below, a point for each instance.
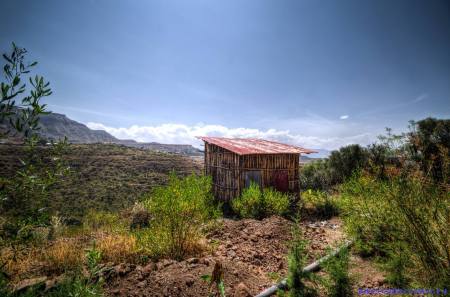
(315, 73)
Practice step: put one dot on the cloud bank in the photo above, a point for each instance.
(185, 134)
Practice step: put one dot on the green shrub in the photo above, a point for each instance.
(339, 166)
(275, 202)
(404, 215)
(316, 175)
(339, 283)
(254, 203)
(248, 205)
(179, 211)
(324, 205)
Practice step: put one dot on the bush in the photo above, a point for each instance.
(179, 210)
(405, 215)
(258, 204)
(340, 165)
(316, 175)
(323, 204)
(339, 283)
(275, 202)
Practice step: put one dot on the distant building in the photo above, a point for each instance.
(233, 163)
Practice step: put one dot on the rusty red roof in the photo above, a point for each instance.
(249, 146)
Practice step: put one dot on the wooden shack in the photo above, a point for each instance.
(233, 163)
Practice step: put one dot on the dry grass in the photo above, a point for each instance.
(63, 255)
(117, 247)
(19, 264)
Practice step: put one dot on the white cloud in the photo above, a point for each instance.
(343, 117)
(420, 98)
(184, 134)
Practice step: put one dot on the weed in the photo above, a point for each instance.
(215, 279)
(93, 257)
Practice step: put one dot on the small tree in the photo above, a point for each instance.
(23, 117)
(339, 283)
(296, 262)
(23, 197)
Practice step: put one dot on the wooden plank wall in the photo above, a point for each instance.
(223, 166)
(227, 170)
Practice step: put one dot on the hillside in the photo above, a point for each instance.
(55, 126)
(106, 177)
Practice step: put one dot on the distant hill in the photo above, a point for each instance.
(56, 126)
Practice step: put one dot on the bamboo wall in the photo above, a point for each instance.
(229, 170)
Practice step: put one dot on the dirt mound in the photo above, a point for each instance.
(253, 255)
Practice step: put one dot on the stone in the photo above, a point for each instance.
(189, 280)
(122, 269)
(242, 291)
(149, 268)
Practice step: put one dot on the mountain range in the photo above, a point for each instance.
(56, 126)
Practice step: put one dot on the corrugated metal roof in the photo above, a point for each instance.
(249, 146)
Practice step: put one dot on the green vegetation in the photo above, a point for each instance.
(178, 211)
(76, 287)
(404, 219)
(324, 174)
(338, 283)
(254, 203)
(324, 205)
(401, 213)
(296, 261)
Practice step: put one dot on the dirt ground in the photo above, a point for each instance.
(252, 253)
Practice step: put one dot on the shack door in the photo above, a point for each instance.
(280, 180)
(252, 176)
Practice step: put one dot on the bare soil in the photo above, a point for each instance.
(253, 254)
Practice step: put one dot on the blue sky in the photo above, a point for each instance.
(315, 73)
